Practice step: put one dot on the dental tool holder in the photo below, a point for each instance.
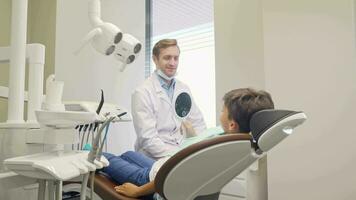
(57, 127)
(55, 165)
(107, 110)
(51, 135)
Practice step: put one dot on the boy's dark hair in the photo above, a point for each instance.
(162, 44)
(243, 103)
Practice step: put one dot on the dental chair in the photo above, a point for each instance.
(201, 170)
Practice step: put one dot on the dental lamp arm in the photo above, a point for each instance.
(122, 67)
(95, 12)
(87, 39)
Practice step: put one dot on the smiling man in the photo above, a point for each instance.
(157, 127)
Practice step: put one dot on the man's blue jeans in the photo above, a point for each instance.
(130, 167)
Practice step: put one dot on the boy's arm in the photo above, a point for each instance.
(132, 190)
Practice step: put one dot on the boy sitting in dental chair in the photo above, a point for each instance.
(136, 172)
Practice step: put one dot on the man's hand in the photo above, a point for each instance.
(128, 189)
(187, 129)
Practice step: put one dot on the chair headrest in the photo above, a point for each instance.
(269, 127)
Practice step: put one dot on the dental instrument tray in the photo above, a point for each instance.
(107, 110)
(55, 165)
(65, 119)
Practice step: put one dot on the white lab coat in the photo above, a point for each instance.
(156, 125)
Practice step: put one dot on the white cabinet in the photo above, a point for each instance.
(236, 189)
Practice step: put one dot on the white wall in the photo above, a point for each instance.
(191, 63)
(84, 75)
(308, 49)
(238, 46)
(310, 66)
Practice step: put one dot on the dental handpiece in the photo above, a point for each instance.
(90, 127)
(121, 114)
(94, 150)
(103, 143)
(80, 130)
(83, 135)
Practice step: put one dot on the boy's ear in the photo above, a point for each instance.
(233, 126)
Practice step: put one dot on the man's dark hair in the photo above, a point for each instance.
(243, 103)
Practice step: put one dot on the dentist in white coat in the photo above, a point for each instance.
(157, 127)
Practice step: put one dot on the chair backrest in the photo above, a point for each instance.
(204, 168)
(201, 170)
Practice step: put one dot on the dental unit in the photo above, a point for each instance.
(39, 156)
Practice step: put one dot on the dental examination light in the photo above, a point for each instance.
(108, 40)
(126, 51)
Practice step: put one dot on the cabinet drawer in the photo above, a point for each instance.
(236, 187)
(227, 197)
